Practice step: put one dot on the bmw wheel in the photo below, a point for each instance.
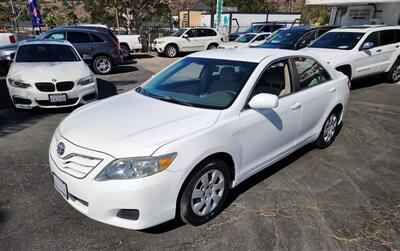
(328, 133)
(205, 193)
(394, 73)
(171, 51)
(102, 65)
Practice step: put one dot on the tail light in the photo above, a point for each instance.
(349, 84)
(116, 47)
(12, 39)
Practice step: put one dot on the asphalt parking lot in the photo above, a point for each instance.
(346, 197)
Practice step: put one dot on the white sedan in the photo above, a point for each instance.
(176, 145)
(50, 74)
(246, 40)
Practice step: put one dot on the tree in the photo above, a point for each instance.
(312, 14)
(71, 18)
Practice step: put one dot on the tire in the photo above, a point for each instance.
(198, 201)
(394, 73)
(102, 65)
(329, 130)
(212, 47)
(171, 51)
(125, 51)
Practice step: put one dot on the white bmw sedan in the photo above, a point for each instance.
(49, 74)
(176, 145)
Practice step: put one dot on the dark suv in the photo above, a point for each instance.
(101, 49)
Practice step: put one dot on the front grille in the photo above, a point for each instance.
(78, 165)
(65, 86)
(45, 87)
(70, 101)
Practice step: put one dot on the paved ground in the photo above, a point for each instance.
(346, 197)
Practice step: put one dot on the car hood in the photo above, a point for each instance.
(132, 125)
(231, 45)
(48, 71)
(7, 47)
(333, 57)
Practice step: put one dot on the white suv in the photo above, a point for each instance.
(188, 40)
(360, 51)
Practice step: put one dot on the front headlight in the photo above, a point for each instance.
(160, 42)
(18, 84)
(87, 80)
(135, 168)
(6, 53)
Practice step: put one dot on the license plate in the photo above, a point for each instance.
(60, 186)
(57, 98)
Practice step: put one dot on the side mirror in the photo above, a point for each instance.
(185, 36)
(302, 43)
(368, 46)
(264, 101)
(87, 58)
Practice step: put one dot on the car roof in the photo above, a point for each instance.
(253, 55)
(258, 33)
(308, 28)
(82, 29)
(45, 41)
(365, 28)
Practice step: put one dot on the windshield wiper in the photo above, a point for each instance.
(163, 98)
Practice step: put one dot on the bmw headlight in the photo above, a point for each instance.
(135, 168)
(18, 84)
(160, 42)
(87, 80)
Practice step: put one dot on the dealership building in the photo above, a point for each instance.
(359, 12)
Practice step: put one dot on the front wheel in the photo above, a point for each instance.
(394, 73)
(102, 65)
(171, 51)
(328, 132)
(205, 193)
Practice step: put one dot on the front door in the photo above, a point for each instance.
(267, 134)
(191, 42)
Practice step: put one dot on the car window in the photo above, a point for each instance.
(309, 36)
(397, 36)
(373, 38)
(338, 40)
(96, 38)
(310, 72)
(211, 33)
(321, 32)
(260, 38)
(387, 37)
(192, 33)
(78, 37)
(46, 53)
(200, 82)
(275, 80)
(57, 36)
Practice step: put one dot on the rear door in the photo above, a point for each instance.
(81, 41)
(389, 46)
(318, 93)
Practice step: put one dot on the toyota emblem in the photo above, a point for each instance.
(60, 148)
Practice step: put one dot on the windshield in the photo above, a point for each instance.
(338, 40)
(200, 82)
(254, 28)
(245, 38)
(178, 33)
(46, 53)
(287, 36)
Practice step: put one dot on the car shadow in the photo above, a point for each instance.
(368, 82)
(123, 69)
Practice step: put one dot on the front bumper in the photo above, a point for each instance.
(154, 197)
(158, 47)
(28, 98)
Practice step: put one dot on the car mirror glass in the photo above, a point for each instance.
(368, 46)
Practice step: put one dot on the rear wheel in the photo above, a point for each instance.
(394, 73)
(205, 193)
(102, 65)
(328, 132)
(212, 47)
(171, 51)
(125, 52)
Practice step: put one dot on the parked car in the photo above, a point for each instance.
(294, 38)
(129, 43)
(50, 74)
(187, 40)
(100, 45)
(257, 28)
(246, 40)
(195, 136)
(361, 51)
(7, 38)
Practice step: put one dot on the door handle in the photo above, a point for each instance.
(379, 50)
(332, 90)
(397, 46)
(296, 106)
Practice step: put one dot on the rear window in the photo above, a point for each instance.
(46, 53)
(388, 37)
(96, 38)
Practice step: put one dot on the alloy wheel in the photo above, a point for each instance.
(171, 51)
(208, 192)
(103, 65)
(396, 73)
(330, 128)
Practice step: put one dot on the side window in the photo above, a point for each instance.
(267, 28)
(192, 33)
(57, 36)
(96, 38)
(310, 36)
(275, 80)
(260, 38)
(398, 36)
(211, 33)
(310, 72)
(78, 37)
(373, 38)
(202, 33)
(321, 32)
(387, 37)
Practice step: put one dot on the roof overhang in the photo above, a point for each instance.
(348, 2)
